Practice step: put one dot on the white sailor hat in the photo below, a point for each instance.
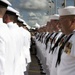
(18, 14)
(54, 17)
(21, 20)
(25, 23)
(69, 10)
(28, 26)
(6, 2)
(11, 9)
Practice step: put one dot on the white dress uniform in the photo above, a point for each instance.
(42, 48)
(27, 45)
(6, 50)
(44, 53)
(49, 56)
(47, 53)
(55, 54)
(18, 52)
(67, 64)
(25, 51)
(16, 38)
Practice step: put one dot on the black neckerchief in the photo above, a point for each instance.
(56, 44)
(47, 39)
(42, 37)
(61, 49)
(52, 42)
(39, 37)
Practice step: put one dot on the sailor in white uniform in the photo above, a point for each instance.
(67, 22)
(49, 57)
(54, 51)
(6, 44)
(28, 40)
(26, 50)
(9, 18)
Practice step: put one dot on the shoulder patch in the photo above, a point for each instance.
(68, 48)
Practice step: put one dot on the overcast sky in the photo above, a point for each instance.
(33, 11)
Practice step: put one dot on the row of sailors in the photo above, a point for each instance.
(56, 47)
(14, 42)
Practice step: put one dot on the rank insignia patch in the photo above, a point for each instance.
(68, 48)
(61, 42)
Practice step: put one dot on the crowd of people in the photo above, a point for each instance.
(55, 43)
(15, 41)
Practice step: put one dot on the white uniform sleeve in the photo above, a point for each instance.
(73, 49)
(2, 57)
(29, 38)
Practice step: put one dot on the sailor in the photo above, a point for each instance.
(6, 44)
(26, 29)
(53, 21)
(47, 43)
(66, 66)
(9, 19)
(27, 38)
(54, 49)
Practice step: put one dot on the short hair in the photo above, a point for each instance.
(12, 15)
(2, 8)
(3, 4)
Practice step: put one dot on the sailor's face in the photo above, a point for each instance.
(65, 23)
